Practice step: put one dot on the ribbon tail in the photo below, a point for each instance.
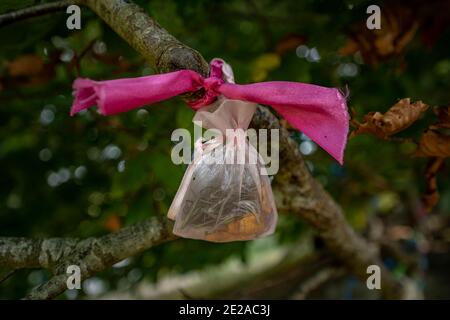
(319, 112)
(121, 95)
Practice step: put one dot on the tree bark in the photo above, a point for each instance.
(92, 255)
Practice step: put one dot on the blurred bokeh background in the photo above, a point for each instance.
(89, 175)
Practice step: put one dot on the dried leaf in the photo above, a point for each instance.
(431, 195)
(113, 223)
(399, 117)
(435, 21)
(29, 70)
(433, 144)
(26, 65)
(350, 47)
(399, 25)
(443, 114)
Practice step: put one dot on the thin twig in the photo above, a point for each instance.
(317, 281)
(78, 57)
(30, 12)
(8, 275)
(186, 295)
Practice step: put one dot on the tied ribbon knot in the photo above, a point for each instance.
(319, 112)
(211, 86)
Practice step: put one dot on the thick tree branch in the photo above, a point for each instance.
(34, 253)
(161, 49)
(92, 255)
(34, 11)
(295, 189)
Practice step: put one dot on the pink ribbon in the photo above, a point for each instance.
(319, 112)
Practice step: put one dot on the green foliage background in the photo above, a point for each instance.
(92, 150)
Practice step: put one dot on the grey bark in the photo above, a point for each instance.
(92, 255)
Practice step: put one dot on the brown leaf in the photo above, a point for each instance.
(350, 47)
(443, 114)
(113, 223)
(433, 144)
(28, 70)
(399, 25)
(431, 195)
(26, 65)
(436, 21)
(399, 117)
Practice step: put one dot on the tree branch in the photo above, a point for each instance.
(38, 10)
(297, 192)
(161, 49)
(92, 255)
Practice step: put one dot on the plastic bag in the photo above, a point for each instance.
(226, 201)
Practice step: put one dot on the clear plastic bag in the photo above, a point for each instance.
(226, 201)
